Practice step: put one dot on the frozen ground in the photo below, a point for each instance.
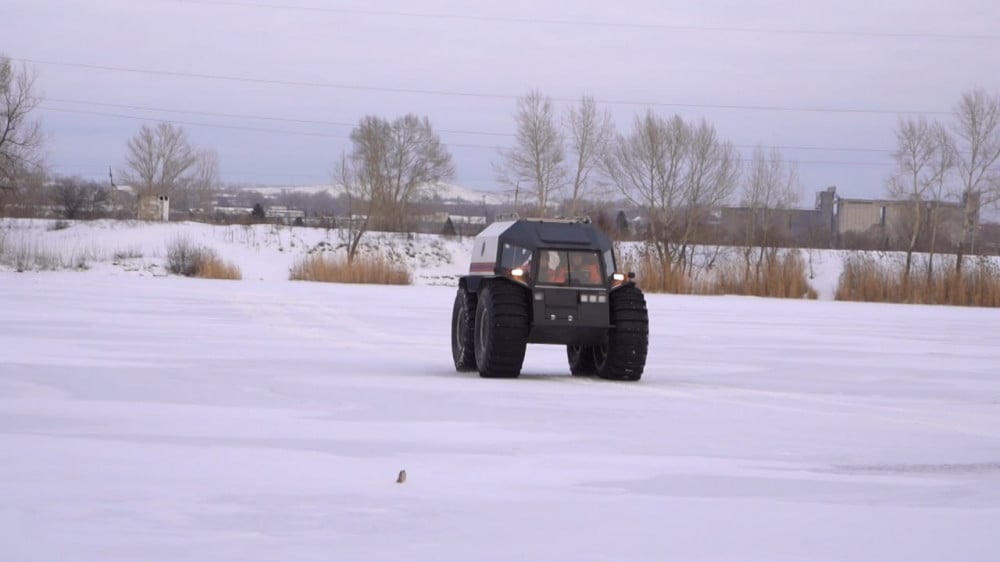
(148, 417)
(160, 418)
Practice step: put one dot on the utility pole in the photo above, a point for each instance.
(114, 193)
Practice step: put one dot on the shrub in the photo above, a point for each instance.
(869, 279)
(865, 279)
(184, 258)
(779, 275)
(782, 275)
(26, 254)
(364, 269)
(132, 252)
(213, 267)
(656, 278)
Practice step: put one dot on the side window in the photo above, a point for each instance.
(609, 262)
(513, 256)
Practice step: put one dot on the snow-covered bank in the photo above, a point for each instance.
(262, 252)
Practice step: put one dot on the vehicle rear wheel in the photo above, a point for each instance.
(581, 359)
(501, 329)
(622, 355)
(463, 321)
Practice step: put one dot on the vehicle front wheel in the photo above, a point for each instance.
(501, 331)
(622, 354)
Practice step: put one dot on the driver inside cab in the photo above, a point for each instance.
(554, 270)
(584, 268)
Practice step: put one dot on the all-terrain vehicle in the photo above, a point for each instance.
(548, 281)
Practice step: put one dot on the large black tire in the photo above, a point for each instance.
(501, 330)
(581, 359)
(622, 356)
(463, 323)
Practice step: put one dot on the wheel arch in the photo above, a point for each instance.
(474, 283)
(623, 284)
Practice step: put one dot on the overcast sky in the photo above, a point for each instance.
(274, 86)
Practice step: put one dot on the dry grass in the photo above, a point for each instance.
(27, 253)
(368, 269)
(783, 276)
(212, 267)
(656, 277)
(866, 278)
(184, 258)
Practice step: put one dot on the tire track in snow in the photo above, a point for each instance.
(314, 321)
(837, 407)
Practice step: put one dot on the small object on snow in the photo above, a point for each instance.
(402, 477)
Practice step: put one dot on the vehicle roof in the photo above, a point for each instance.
(556, 233)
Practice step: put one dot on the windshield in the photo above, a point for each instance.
(571, 268)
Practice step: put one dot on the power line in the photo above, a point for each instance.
(343, 137)
(345, 124)
(233, 127)
(340, 123)
(604, 24)
(192, 123)
(248, 116)
(485, 95)
(101, 170)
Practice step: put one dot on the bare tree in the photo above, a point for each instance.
(159, 160)
(20, 135)
(711, 174)
(645, 166)
(536, 160)
(977, 130)
(389, 165)
(678, 174)
(945, 163)
(360, 206)
(77, 197)
(923, 158)
(197, 188)
(770, 185)
(590, 131)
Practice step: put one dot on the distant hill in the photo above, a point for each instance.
(445, 192)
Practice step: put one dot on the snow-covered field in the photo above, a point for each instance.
(150, 417)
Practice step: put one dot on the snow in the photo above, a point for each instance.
(151, 417)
